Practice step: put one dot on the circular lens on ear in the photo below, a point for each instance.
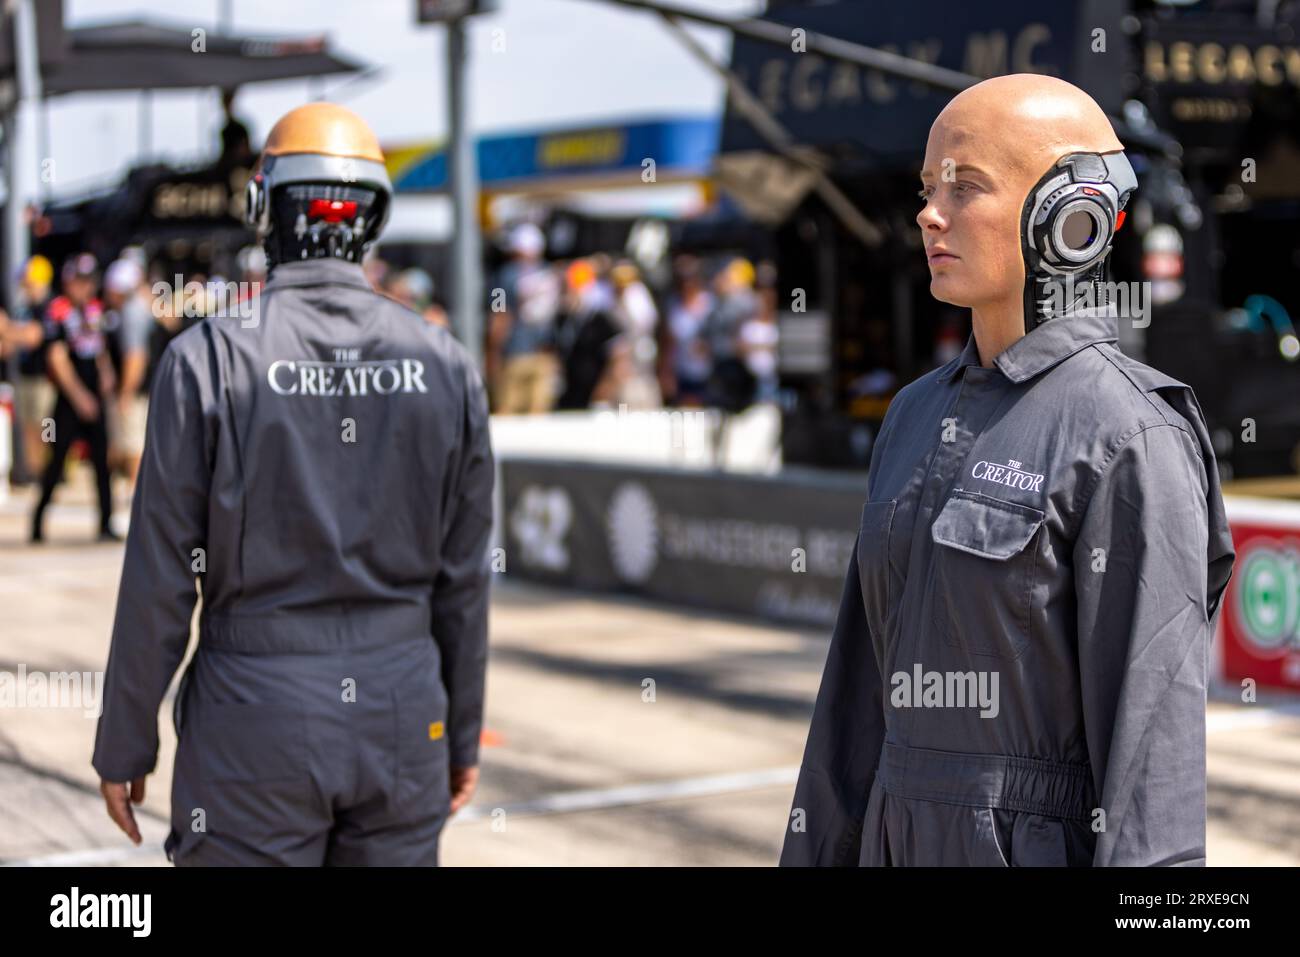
(1079, 231)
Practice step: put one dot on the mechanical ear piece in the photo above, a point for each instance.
(256, 210)
(1069, 223)
(1072, 214)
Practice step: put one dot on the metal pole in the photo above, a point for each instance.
(144, 125)
(41, 108)
(467, 269)
(27, 70)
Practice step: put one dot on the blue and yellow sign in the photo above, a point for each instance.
(679, 148)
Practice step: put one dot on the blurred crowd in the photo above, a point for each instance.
(582, 333)
(77, 365)
(591, 332)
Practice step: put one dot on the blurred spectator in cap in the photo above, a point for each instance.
(758, 336)
(522, 362)
(78, 363)
(636, 350)
(251, 262)
(23, 335)
(37, 276)
(413, 288)
(419, 287)
(81, 266)
(731, 384)
(135, 254)
(688, 352)
(586, 328)
(131, 317)
(527, 240)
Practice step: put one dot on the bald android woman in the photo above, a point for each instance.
(998, 137)
(1018, 667)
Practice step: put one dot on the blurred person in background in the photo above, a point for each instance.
(251, 263)
(376, 271)
(687, 358)
(79, 365)
(132, 319)
(584, 335)
(731, 384)
(635, 351)
(413, 288)
(25, 338)
(166, 304)
(758, 337)
(236, 146)
(522, 361)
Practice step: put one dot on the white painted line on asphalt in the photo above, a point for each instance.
(92, 857)
(566, 802)
(1250, 716)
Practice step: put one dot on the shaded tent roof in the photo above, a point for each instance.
(143, 55)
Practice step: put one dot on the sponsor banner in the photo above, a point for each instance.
(1260, 617)
(777, 547)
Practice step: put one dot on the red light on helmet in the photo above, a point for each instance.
(332, 210)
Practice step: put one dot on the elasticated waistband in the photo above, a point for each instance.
(342, 628)
(1033, 785)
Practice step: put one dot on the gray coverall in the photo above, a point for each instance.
(1053, 522)
(324, 470)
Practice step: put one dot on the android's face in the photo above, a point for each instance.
(970, 218)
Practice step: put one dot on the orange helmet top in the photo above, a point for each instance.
(323, 128)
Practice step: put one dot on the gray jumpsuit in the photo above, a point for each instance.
(1052, 526)
(323, 469)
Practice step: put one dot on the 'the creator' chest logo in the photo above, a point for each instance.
(348, 374)
(1010, 475)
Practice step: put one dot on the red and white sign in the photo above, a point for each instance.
(1259, 621)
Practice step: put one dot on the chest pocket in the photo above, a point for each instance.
(983, 573)
(874, 572)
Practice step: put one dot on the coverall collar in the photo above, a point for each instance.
(1048, 344)
(314, 272)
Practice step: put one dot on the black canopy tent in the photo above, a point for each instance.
(144, 55)
(147, 55)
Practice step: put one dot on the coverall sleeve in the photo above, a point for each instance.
(460, 592)
(844, 741)
(1140, 570)
(155, 600)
